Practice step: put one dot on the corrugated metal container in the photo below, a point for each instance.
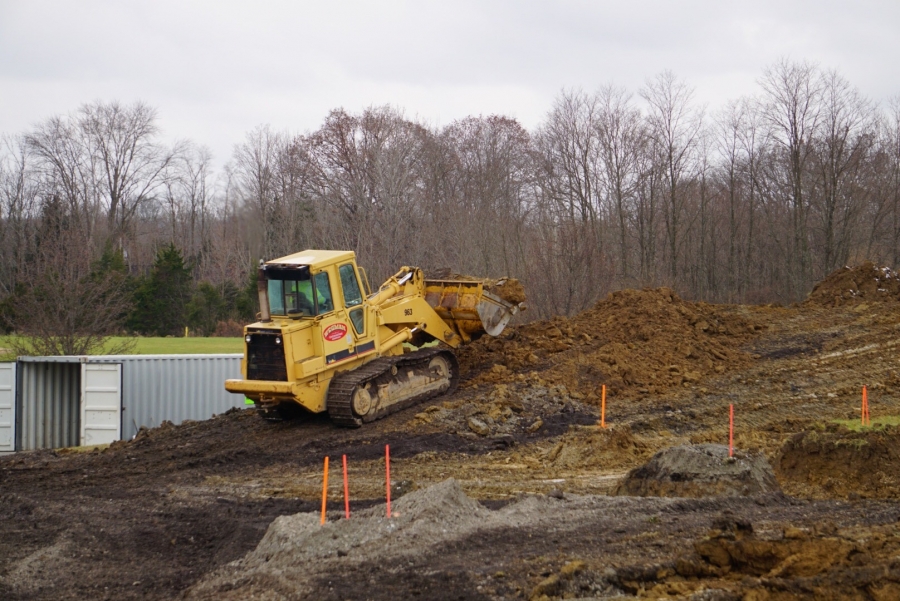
(65, 401)
(50, 417)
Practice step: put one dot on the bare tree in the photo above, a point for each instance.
(674, 128)
(622, 139)
(793, 94)
(254, 172)
(739, 141)
(367, 183)
(568, 201)
(846, 138)
(491, 193)
(19, 192)
(130, 164)
(188, 196)
(67, 169)
(103, 158)
(891, 195)
(66, 303)
(645, 220)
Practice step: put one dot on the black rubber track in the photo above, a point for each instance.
(340, 391)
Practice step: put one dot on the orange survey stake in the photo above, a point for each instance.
(387, 476)
(865, 407)
(603, 406)
(324, 490)
(346, 491)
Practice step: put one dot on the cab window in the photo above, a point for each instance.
(290, 297)
(350, 285)
(276, 297)
(324, 301)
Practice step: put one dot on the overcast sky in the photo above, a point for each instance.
(215, 70)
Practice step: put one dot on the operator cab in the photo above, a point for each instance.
(293, 292)
(298, 286)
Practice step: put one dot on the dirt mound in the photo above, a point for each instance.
(699, 471)
(854, 285)
(843, 463)
(823, 562)
(635, 341)
(279, 566)
(443, 506)
(594, 447)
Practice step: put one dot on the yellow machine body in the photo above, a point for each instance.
(316, 321)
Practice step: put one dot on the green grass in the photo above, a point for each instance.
(877, 423)
(169, 346)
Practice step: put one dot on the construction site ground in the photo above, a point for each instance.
(507, 488)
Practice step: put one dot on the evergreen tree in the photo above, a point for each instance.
(161, 300)
(206, 309)
(246, 301)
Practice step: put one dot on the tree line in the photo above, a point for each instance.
(753, 202)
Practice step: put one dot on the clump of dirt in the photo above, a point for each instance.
(509, 289)
(634, 341)
(590, 447)
(841, 463)
(700, 471)
(854, 285)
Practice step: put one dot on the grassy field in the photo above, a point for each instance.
(877, 423)
(167, 346)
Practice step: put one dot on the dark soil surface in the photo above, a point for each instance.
(184, 511)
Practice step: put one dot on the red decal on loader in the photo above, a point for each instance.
(335, 332)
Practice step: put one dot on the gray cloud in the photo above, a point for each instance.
(217, 69)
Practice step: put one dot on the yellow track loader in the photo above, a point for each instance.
(321, 344)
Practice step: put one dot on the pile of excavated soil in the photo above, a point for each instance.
(854, 285)
(823, 562)
(634, 341)
(703, 470)
(593, 447)
(440, 544)
(841, 463)
(279, 566)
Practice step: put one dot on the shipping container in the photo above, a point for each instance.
(97, 399)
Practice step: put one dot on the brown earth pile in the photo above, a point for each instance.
(592, 447)
(854, 285)
(824, 562)
(634, 341)
(296, 548)
(700, 471)
(841, 463)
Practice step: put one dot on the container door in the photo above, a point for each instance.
(7, 407)
(101, 403)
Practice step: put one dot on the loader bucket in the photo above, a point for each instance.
(495, 313)
(470, 309)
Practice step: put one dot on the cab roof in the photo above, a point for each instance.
(314, 258)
